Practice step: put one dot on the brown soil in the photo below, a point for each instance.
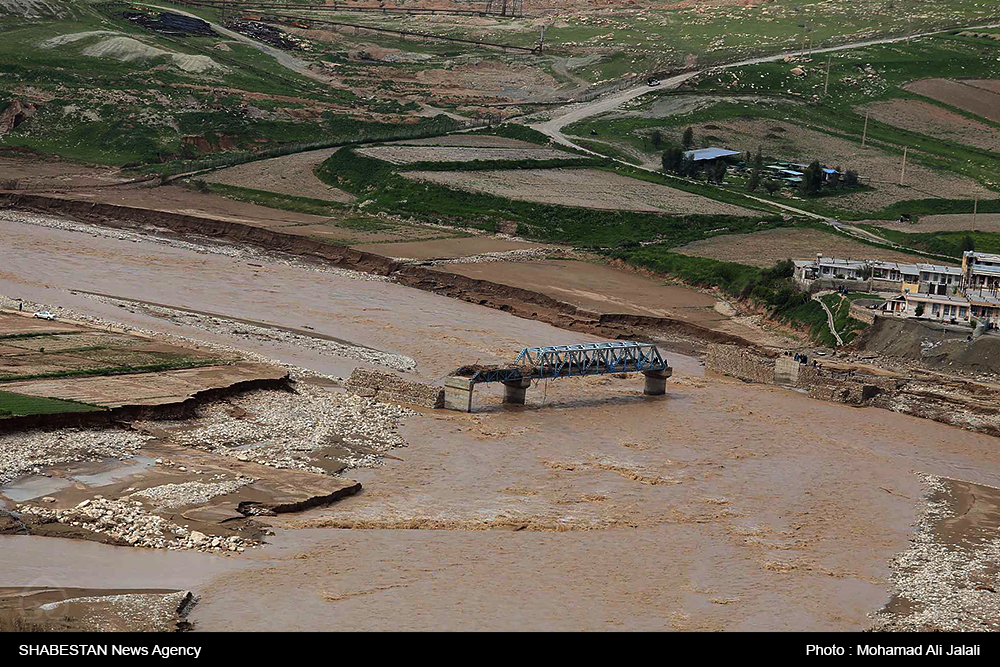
(984, 222)
(772, 245)
(37, 172)
(289, 175)
(589, 188)
(515, 300)
(875, 167)
(445, 248)
(935, 121)
(470, 140)
(409, 154)
(975, 96)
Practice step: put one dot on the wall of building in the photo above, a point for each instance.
(390, 388)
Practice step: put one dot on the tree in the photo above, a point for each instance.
(688, 166)
(812, 179)
(657, 138)
(851, 178)
(717, 171)
(920, 310)
(758, 163)
(968, 244)
(688, 140)
(673, 159)
(771, 187)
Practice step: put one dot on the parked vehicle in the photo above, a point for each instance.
(45, 315)
(652, 81)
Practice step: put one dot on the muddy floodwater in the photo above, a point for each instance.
(720, 506)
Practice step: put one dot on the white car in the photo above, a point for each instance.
(45, 315)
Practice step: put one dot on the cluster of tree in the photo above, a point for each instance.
(813, 178)
(675, 162)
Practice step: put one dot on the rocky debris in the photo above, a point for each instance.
(520, 255)
(149, 612)
(16, 113)
(27, 453)
(392, 388)
(128, 522)
(947, 585)
(190, 493)
(286, 429)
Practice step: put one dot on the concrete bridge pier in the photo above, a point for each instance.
(458, 394)
(656, 382)
(514, 391)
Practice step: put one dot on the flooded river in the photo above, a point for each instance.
(721, 506)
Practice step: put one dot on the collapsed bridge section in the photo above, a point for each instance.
(543, 363)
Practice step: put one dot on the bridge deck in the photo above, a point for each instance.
(576, 360)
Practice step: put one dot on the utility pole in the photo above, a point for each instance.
(864, 136)
(975, 209)
(902, 173)
(826, 84)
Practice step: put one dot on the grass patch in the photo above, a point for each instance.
(383, 189)
(106, 371)
(17, 405)
(943, 243)
(515, 131)
(770, 289)
(273, 199)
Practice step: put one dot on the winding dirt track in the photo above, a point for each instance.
(576, 112)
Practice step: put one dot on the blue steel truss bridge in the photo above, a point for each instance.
(558, 361)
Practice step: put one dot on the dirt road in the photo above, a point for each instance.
(577, 112)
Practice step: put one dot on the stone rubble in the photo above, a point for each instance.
(942, 580)
(129, 522)
(154, 612)
(190, 493)
(283, 429)
(28, 453)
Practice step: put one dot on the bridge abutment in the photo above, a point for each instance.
(458, 394)
(514, 391)
(656, 382)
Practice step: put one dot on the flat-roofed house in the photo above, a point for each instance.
(937, 279)
(981, 269)
(985, 304)
(939, 307)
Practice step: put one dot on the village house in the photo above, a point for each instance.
(935, 279)
(985, 305)
(829, 268)
(937, 307)
(981, 269)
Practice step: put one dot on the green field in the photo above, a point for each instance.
(16, 405)
(857, 76)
